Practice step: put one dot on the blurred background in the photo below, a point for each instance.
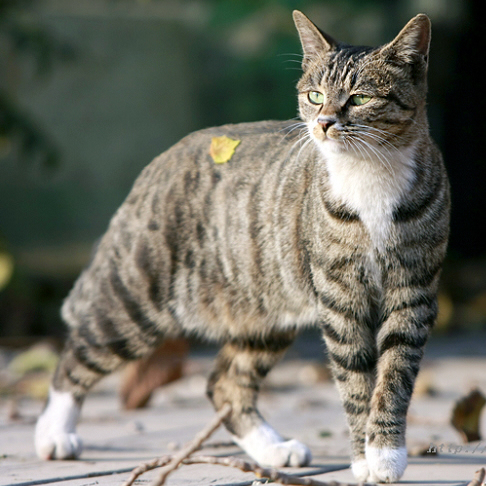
(92, 91)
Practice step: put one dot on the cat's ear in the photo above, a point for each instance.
(413, 41)
(314, 41)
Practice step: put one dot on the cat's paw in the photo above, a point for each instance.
(386, 465)
(289, 453)
(55, 432)
(265, 446)
(58, 446)
(360, 470)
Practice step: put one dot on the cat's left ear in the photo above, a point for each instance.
(413, 41)
(314, 42)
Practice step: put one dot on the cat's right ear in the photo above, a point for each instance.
(314, 42)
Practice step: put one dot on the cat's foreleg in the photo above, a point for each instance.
(240, 368)
(353, 359)
(401, 340)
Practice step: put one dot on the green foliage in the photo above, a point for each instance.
(23, 37)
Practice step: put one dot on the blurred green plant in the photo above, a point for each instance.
(23, 37)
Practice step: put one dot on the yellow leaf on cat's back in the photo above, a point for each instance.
(222, 149)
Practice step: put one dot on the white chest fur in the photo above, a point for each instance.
(371, 186)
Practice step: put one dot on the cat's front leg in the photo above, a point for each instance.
(401, 341)
(353, 358)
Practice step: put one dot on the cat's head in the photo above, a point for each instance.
(364, 99)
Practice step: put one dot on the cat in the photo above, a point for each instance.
(339, 221)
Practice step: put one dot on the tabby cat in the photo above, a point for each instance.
(340, 221)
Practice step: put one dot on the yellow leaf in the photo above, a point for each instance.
(222, 148)
(6, 269)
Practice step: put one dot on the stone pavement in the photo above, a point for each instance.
(297, 399)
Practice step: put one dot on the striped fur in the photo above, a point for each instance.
(344, 227)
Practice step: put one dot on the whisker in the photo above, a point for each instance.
(291, 54)
(371, 151)
(382, 142)
(378, 155)
(293, 126)
(289, 129)
(300, 140)
(306, 144)
(379, 130)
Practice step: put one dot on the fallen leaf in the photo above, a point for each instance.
(222, 149)
(466, 415)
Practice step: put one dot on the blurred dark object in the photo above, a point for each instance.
(463, 140)
(142, 377)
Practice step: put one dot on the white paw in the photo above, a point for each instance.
(386, 465)
(55, 432)
(265, 446)
(289, 453)
(360, 470)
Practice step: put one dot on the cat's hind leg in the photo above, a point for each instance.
(80, 366)
(89, 355)
(240, 368)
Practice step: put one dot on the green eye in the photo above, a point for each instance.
(316, 98)
(360, 99)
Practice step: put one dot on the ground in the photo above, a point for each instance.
(298, 399)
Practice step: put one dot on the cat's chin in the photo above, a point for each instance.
(329, 145)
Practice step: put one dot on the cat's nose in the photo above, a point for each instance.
(326, 122)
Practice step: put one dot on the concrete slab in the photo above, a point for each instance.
(116, 441)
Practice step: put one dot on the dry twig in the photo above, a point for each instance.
(172, 462)
(245, 466)
(478, 478)
(263, 472)
(194, 445)
(148, 466)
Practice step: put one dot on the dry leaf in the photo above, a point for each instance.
(466, 415)
(222, 149)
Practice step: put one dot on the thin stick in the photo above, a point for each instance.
(194, 445)
(240, 464)
(263, 472)
(478, 478)
(148, 466)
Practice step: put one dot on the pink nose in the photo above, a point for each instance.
(326, 122)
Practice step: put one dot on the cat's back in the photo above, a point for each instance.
(258, 144)
(209, 238)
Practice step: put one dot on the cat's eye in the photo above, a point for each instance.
(360, 99)
(316, 98)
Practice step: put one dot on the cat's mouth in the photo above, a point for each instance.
(327, 138)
